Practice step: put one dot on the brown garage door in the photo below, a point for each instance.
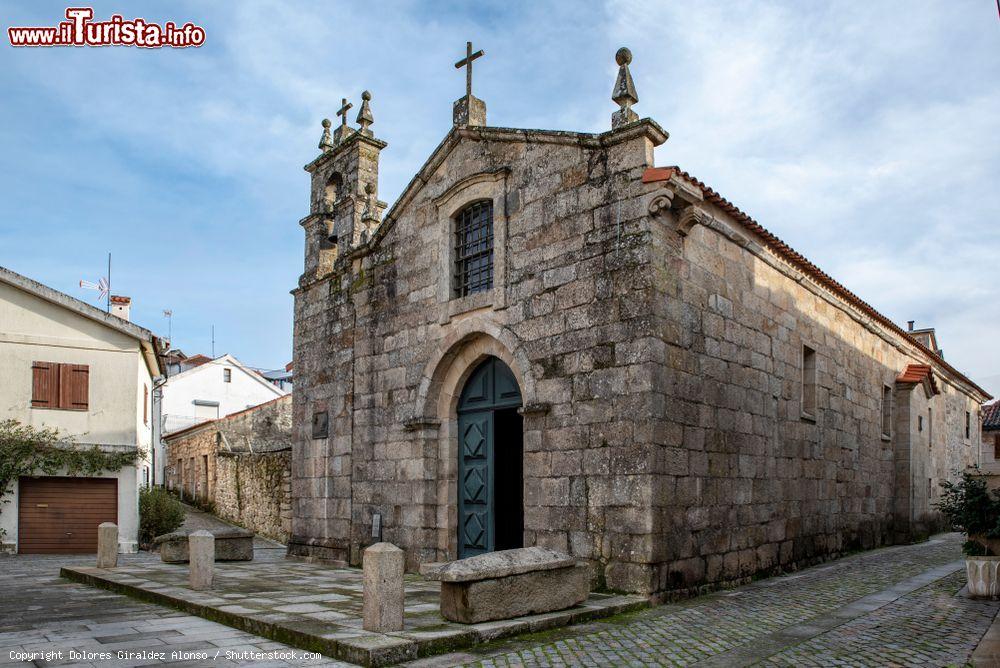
(60, 515)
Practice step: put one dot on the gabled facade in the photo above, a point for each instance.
(205, 391)
(548, 340)
(73, 367)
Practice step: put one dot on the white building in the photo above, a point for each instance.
(68, 365)
(211, 390)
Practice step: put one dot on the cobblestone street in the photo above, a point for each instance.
(890, 607)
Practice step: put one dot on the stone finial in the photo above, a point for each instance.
(382, 591)
(343, 130)
(624, 92)
(469, 110)
(326, 142)
(107, 545)
(365, 118)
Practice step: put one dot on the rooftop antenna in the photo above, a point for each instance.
(213, 341)
(103, 286)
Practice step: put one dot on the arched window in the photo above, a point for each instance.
(474, 248)
(332, 191)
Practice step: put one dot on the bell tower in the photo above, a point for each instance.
(344, 206)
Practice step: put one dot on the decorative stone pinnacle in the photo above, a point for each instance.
(326, 142)
(343, 131)
(365, 118)
(624, 91)
(469, 110)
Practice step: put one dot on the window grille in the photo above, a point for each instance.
(474, 249)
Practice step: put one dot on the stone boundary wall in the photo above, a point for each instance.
(254, 491)
(240, 465)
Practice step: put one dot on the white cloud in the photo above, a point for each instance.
(862, 134)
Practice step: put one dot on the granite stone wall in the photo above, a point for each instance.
(746, 481)
(254, 491)
(247, 456)
(659, 361)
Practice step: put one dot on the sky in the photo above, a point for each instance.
(866, 135)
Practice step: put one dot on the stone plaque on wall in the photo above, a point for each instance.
(320, 425)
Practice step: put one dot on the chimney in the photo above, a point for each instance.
(120, 306)
(909, 325)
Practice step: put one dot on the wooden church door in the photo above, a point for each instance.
(488, 429)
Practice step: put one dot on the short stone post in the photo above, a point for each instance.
(107, 545)
(382, 609)
(201, 556)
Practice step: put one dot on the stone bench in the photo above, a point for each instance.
(230, 545)
(508, 584)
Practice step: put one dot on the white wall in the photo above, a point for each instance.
(207, 383)
(33, 329)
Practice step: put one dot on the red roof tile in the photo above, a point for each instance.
(991, 416)
(779, 247)
(916, 373)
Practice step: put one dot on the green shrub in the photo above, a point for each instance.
(159, 513)
(973, 509)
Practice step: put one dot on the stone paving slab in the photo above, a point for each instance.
(318, 608)
(41, 612)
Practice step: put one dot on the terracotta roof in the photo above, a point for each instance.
(119, 299)
(991, 416)
(196, 360)
(917, 373)
(789, 254)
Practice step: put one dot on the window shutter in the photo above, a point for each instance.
(145, 405)
(74, 386)
(44, 385)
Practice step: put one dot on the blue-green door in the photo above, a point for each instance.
(491, 387)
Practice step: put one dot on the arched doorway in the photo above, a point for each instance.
(490, 461)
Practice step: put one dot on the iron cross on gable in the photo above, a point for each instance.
(467, 64)
(342, 112)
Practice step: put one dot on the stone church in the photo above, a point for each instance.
(549, 340)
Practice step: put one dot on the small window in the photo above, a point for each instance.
(930, 428)
(920, 423)
(474, 249)
(996, 448)
(968, 425)
(145, 405)
(930, 488)
(62, 386)
(808, 382)
(227, 375)
(886, 411)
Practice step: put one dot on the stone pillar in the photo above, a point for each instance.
(107, 545)
(201, 553)
(383, 588)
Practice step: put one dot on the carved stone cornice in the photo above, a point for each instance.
(679, 197)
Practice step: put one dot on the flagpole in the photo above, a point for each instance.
(109, 281)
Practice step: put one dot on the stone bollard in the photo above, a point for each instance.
(201, 550)
(382, 609)
(107, 545)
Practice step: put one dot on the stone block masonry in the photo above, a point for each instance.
(699, 403)
(242, 463)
